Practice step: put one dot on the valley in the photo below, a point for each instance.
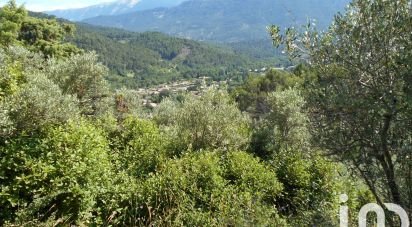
(150, 58)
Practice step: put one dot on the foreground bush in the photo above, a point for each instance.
(207, 188)
(211, 121)
(60, 175)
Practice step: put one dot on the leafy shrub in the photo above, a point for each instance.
(288, 118)
(38, 104)
(202, 189)
(138, 147)
(311, 188)
(249, 174)
(82, 76)
(15, 63)
(58, 176)
(211, 121)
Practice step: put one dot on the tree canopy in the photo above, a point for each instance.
(360, 102)
(38, 35)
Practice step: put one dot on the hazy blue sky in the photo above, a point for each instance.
(43, 5)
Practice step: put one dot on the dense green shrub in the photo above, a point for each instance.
(249, 174)
(311, 188)
(203, 189)
(211, 121)
(83, 77)
(15, 63)
(138, 147)
(58, 176)
(38, 104)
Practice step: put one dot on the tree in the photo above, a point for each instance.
(311, 181)
(361, 105)
(39, 103)
(251, 95)
(211, 121)
(284, 126)
(47, 36)
(289, 119)
(38, 35)
(11, 18)
(82, 76)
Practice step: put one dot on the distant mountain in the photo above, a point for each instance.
(113, 8)
(225, 20)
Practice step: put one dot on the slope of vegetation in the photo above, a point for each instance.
(152, 58)
(278, 151)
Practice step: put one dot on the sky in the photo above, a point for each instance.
(44, 5)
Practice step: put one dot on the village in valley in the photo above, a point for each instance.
(152, 96)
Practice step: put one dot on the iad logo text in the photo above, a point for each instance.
(372, 207)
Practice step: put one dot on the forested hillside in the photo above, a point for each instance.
(260, 50)
(142, 59)
(152, 58)
(309, 147)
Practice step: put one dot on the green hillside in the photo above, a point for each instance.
(144, 59)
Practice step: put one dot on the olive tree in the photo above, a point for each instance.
(209, 121)
(288, 119)
(15, 63)
(361, 102)
(82, 76)
(37, 104)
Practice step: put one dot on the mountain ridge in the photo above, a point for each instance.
(112, 8)
(225, 20)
